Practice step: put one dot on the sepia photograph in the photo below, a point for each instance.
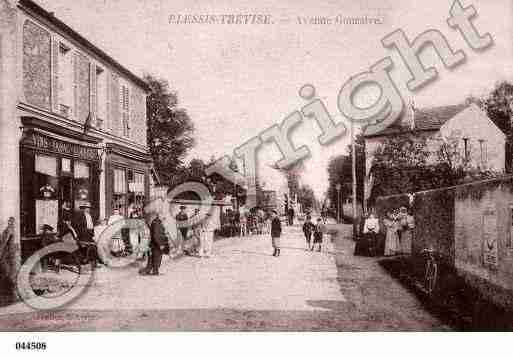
(239, 166)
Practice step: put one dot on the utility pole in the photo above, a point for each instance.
(338, 187)
(353, 158)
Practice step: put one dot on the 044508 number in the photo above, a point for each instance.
(30, 346)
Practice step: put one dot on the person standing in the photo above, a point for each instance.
(317, 234)
(117, 244)
(408, 225)
(276, 233)
(82, 222)
(308, 228)
(158, 244)
(182, 224)
(207, 237)
(196, 231)
(370, 233)
(392, 237)
(291, 216)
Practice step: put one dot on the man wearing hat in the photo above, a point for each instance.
(84, 227)
(181, 221)
(83, 223)
(276, 233)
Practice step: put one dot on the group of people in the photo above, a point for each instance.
(392, 235)
(316, 230)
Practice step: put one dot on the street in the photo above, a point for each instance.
(242, 287)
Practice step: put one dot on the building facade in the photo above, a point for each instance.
(478, 140)
(72, 121)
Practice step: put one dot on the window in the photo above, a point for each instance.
(466, 150)
(101, 96)
(484, 153)
(119, 195)
(125, 110)
(81, 183)
(65, 82)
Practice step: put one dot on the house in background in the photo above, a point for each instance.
(479, 141)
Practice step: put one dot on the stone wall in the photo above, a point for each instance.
(483, 242)
(471, 226)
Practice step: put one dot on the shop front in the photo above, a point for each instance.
(127, 180)
(59, 171)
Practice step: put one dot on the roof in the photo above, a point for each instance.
(50, 17)
(426, 119)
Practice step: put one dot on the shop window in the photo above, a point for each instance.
(47, 187)
(120, 191)
(81, 183)
(136, 194)
(66, 165)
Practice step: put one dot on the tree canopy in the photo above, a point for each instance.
(170, 129)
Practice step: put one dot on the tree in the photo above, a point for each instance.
(170, 129)
(499, 107)
(306, 197)
(340, 171)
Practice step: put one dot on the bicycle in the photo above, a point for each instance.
(431, 271)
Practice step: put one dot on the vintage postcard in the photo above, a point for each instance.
(242, 166)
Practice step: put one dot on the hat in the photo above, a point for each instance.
(85, 205)
(47, 227)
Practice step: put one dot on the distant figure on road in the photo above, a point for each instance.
(308, 229)
(276, 233)
(317, 234)
(290, 214)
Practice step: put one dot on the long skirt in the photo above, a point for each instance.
(406, 241)
(206, 243)
(391, 242)
(276, 242)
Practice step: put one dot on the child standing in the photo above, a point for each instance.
(308, 229)
(317, 234)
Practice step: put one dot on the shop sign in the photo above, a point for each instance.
(490, 238)
(43, 142)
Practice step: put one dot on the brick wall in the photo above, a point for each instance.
(36, 65)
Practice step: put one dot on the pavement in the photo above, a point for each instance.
(242, 288)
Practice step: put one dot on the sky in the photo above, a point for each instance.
(235, 81)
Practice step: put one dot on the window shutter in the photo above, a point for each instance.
(108, 113)
(75, 87)
(55, 73)
(126, 111)
(92, 92)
